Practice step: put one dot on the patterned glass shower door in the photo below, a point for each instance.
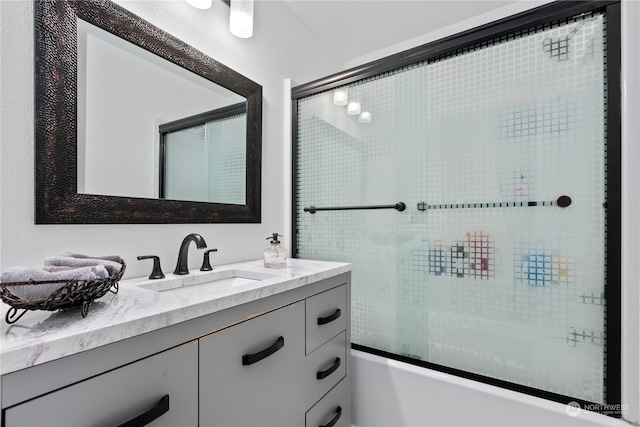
(498, 265)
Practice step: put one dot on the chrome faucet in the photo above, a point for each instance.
(182, 265)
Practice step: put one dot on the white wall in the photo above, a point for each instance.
(509, 9)
(278, 50)
(631, 207)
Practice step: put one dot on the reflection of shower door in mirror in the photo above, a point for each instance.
(497, 268)
(202, 158)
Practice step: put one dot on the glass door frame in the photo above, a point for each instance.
(540, 16)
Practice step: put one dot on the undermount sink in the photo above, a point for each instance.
(199, 284)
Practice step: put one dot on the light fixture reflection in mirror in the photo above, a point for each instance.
(364, 117)
(353, 108)
(340, 98)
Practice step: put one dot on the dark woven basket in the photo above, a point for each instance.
(72, 294)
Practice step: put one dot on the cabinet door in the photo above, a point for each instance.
(333, 410)
(250, 373)
(161, 390)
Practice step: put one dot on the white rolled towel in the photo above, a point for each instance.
(100, 271)
(69, 259)
(114, 258)
(40, 291)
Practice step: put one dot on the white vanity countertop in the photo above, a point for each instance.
(42, 336)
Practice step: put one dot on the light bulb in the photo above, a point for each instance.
(200, 4)
(241, 18)
(353, 108)
(340, 98)
(364, 117)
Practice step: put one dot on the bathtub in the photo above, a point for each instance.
(388, 393)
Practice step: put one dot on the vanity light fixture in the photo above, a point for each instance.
(241, 18)
(200, 4)
(364, 117)
(353, 108)
(340, 98)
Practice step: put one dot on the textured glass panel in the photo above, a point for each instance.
(185, 169)
(484, 271)
(226, 139)
(207, 162)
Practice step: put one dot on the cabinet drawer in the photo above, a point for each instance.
(333, 410)
(325, 367)
(239, 387)
(325, 316)
(117, 396)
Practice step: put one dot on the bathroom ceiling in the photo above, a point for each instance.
(359, 27)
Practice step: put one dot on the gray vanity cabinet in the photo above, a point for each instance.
(278, 361)
(273, 369)
(250, 372)
(161, 389)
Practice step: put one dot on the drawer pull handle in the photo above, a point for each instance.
(151, 415)
(335, 419)
(329, 319)
(324, 374)
(250, 359)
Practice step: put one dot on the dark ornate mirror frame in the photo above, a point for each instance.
(56, 198)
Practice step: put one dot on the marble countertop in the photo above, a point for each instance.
(43, 336)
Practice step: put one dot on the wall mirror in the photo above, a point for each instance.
(107, 82)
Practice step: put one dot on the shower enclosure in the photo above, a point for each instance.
(473, 185)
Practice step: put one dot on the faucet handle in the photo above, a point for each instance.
(156, 273)
(206, 265)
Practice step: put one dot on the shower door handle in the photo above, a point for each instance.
(330, 318)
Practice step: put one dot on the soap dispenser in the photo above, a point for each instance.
(275, 256)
